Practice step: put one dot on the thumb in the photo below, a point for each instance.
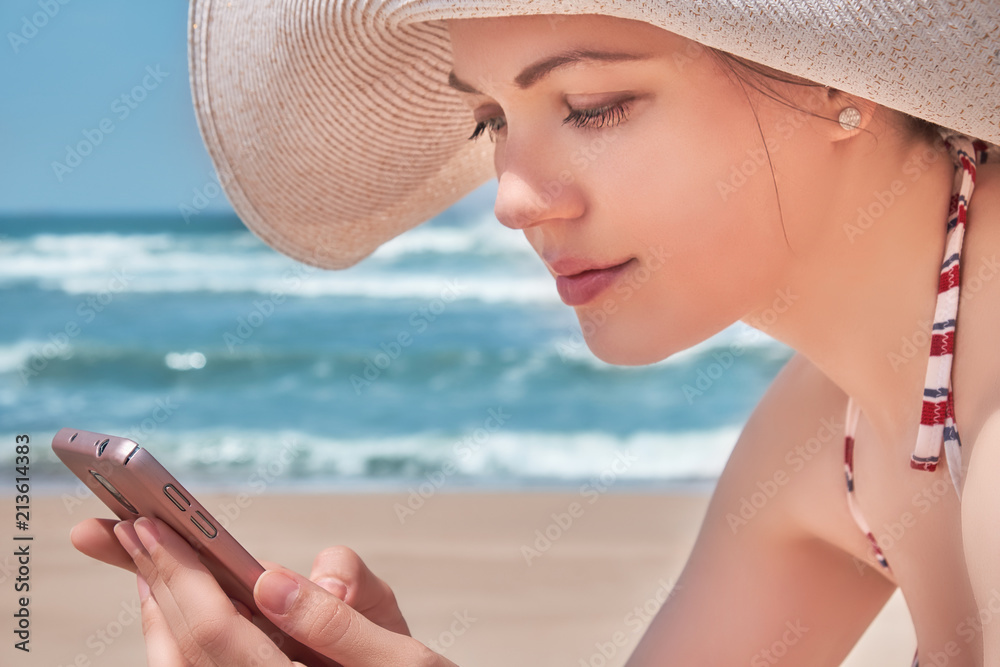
(330, 626)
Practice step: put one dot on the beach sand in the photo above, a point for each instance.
(456, 565)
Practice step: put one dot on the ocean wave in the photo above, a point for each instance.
(572, 348)
(484, 236)
(510, 366)
(233, 458)
(236, 262)
(16, 355)
(429, 286)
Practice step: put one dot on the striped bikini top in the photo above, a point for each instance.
(937, 417)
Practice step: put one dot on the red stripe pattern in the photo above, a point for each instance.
(937, 416)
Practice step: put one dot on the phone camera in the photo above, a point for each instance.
(114, 492)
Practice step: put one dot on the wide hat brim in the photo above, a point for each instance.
(333, 129)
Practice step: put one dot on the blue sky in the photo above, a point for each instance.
(64, 70)
(109, 78)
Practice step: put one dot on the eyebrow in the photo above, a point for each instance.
(533, 73)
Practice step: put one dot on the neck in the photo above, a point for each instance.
(865, 295)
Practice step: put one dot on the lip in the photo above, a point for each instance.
(577, 286)
(571, 266)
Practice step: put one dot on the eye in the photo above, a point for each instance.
(607, 115)
(492, 125)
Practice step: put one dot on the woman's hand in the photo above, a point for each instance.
(341, 572)
(348, 614)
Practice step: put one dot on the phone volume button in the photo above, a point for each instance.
(171, 491)
(204, 525)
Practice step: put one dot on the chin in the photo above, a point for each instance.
(638, 341)
(625, 349)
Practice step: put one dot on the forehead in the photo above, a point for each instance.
(514, 40)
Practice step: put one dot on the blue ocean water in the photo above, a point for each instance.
(446, 358)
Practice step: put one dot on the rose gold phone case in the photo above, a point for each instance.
(132, 484)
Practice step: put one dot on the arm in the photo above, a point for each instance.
(766, 587)
(980, 537)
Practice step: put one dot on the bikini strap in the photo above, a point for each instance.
(850, 428)
(937, 418)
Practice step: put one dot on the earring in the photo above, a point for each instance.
(850, 118)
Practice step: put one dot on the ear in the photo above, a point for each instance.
(844, 115)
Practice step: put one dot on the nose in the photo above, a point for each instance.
(530, 193)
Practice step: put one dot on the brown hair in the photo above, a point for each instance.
(759, 77)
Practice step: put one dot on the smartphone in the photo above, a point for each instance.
(132, 483)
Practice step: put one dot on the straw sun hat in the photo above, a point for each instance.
(333, 128)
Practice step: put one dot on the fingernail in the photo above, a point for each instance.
(147, 532)
(143, 588)
(334, 586)
(277, 591)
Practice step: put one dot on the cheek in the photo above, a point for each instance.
(676, 190)
(706, 200)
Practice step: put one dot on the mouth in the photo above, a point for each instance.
(579, 288)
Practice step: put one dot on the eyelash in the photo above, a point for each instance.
(597, 117)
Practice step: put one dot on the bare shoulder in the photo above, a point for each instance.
(775, 514)
(793, 434)
(788, 466)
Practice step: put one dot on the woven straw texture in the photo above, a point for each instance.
(333, 129)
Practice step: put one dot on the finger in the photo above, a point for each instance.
(166, 607)
(128, 537)
(242, 609)
(96, 538)
(161, 647)
(330, 626)
(341, 571)
(207, 625)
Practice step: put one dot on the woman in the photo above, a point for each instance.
(671, 190)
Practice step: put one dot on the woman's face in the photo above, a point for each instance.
(622, 145)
